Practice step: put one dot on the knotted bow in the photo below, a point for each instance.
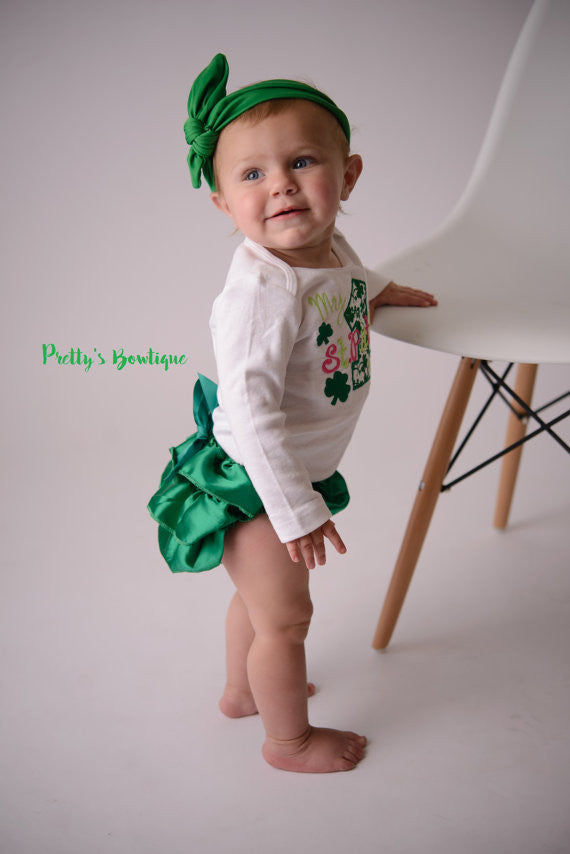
(210, 109)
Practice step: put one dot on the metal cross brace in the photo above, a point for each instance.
(501, 389)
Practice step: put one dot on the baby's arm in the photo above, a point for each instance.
(311, 547)
(394, 294)
(255, 324)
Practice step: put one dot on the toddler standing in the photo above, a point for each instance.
(255, 487)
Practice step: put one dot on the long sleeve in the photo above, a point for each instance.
(255, 325)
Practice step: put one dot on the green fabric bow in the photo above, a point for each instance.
(210, 109)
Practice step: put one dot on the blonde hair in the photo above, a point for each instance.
(275, 107)
(281, 105)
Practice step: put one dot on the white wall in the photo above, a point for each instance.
(106, 244)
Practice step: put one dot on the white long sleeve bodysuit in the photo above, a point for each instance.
(293, 357)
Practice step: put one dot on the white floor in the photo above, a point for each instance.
(112, 741)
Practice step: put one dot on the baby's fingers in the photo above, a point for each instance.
(331, 533)
(293, 549)
(305, 548)
(318, 546)
(311, 547)
(394, 294)
(410, 296)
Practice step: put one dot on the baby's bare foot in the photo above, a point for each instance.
(239, 704)
(316, 751)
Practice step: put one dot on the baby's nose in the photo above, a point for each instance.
(283, 183)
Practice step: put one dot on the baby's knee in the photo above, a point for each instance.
(287, 621)
(296, 626)
(297, 632)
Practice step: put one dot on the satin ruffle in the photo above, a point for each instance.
(203, 492)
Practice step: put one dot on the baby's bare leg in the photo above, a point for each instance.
(275, 592)
(237, 700)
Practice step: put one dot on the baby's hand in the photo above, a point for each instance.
(394, 294)
(312, 546)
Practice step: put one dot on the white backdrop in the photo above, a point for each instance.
(105, 245)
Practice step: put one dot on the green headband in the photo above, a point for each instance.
(210, 109)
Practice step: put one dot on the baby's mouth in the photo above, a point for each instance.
(288, 212)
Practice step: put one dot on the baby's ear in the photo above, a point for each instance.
(352, 172)
(220, 202)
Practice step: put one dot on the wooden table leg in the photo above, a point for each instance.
(516, 428)
(428, 493)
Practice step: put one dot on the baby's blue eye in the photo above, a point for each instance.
(301, 162)
(252, 175)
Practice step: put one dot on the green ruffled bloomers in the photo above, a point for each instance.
(203, 492)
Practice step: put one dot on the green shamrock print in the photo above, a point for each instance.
(337, 387)
(356, 315)
(325, 332)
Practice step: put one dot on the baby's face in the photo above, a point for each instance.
(281, 181)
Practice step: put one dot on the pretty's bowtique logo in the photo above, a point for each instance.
(118, 359)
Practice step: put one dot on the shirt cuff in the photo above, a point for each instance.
(308, 518)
